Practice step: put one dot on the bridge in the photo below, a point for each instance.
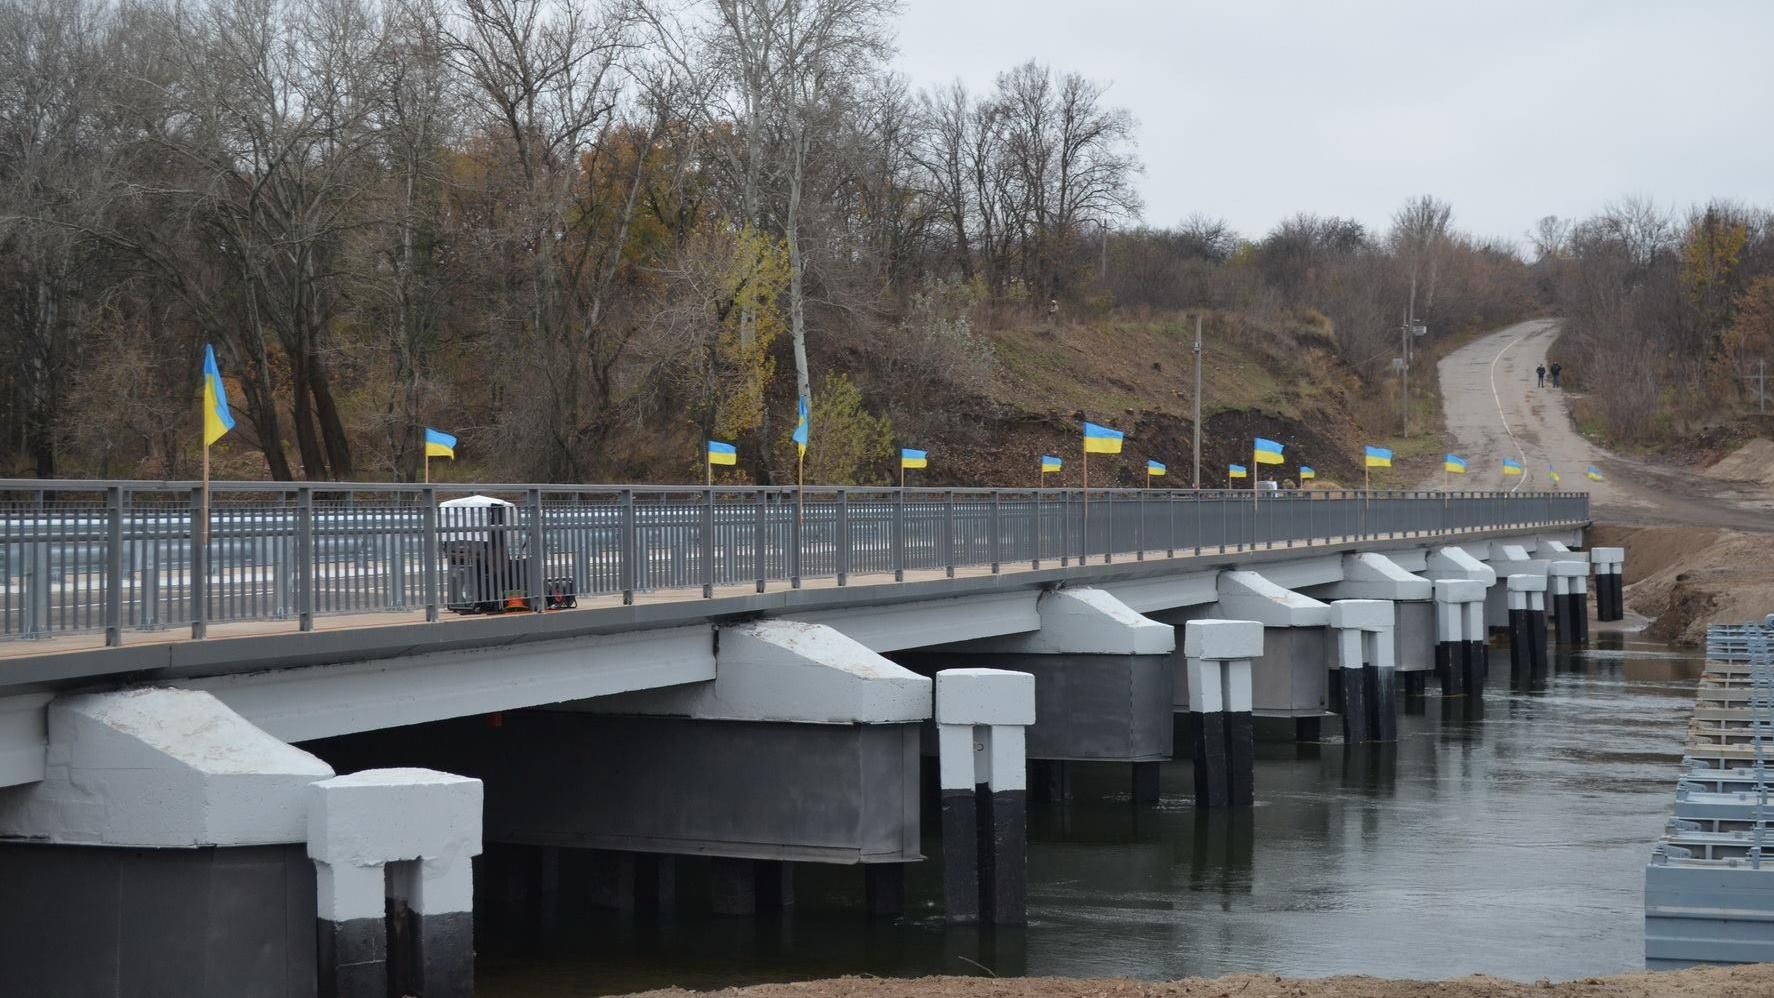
(642, 676)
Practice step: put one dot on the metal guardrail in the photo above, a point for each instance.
(115, 556)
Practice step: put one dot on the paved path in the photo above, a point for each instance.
(1495, 410)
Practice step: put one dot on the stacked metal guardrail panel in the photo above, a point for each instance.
(119, 556)
(1709, 888)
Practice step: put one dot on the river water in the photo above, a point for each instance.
(1508, 840)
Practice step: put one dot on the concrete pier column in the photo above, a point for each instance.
(1218, 656)
(394, 847)
(1580, 605)
(1527, 635)
(1610, 598)
(1477, 658)
(980, 718)
(1460, 625)
(1384, 577)
(1560, 578)
(1289, 681)
(1366, 660)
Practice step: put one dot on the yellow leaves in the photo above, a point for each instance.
(747, 303)
(847, 440)
(1710, 253)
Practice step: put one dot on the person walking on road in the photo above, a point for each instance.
(1557, 369)
(1540, 372)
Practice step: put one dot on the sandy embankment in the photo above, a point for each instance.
(1739, 982)
(1685, 578)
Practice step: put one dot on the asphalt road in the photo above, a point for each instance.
(1495, 410)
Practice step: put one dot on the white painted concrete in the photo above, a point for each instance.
(367, 820)
(1377, 577)
(954, 756)
(1223, 639)
(1527, 583)
(1084, 622)
(1459, 590)
(1253, 596)
(1458, 563)
(1610, 559)
(1317, 570)
(1206, 687)
(1413, 560)
(985, 696)
(161, 768)
(1166, 592)
(322, 701)
(1362, 614)
(897, 626)
(788, 670)
(24, 738)
(1568, 569)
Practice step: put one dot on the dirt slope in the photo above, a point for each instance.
(1752, 463)
(1700, 982)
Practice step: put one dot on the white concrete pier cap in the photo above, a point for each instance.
(1250, 596)
(1362, 614)
(1223, 640)
(1459, 590)
(1524, 583)
(985, 696)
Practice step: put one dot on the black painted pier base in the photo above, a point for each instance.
(1146, 783)
(1241, 758)
(430, 956)
(1450, 667)
(1476, 664)
(1610, 596)
(1382, 703)
(1355, 705)
(985, 856)
(1211, 765)
(1580, 613)
(1536, 642)
(1416, 683)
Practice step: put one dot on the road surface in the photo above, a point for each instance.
(1494, 410)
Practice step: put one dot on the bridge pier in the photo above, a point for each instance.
(1569, 607)
(1290, 681)
(1462, 656)
(1103, 683)
(172, 847)
(1365, 660)
(1384, 577)
(1610, 594)
(1507, 559)
(1527, 628)
(1218, 655)
(981, 717)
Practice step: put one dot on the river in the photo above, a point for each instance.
(1509, 839)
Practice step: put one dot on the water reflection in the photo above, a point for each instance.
(1505, 833)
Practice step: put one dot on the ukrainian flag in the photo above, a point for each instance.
(1153, 468)
(909, 458)
(801, 426)
(1554, 473)
(1307, 474)
(217, 420)
(439, 444)
(1592, 474)
(1051, 463)
(1267, 452)
(720, 453)
(1237, 471)
(1453, 463)
(1379, 457)
(1101, 439)
(1511, 467)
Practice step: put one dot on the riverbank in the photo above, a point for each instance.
(1684, 578)
(1698, 982)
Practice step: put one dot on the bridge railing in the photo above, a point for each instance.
(121, 556)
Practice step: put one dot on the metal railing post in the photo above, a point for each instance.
(538, 558)
(1139, 526)
(199, 566)
(428, 549)
(794, 537)
(305, 558)
(114, 566)
(627, 548)
(1065, 528)
(899, 535)
(761, 538)
(996, 523)
(1170, 523)
(1112, 508)
(843, 538)
(1035, 533)
(948, 534)
(708, 543)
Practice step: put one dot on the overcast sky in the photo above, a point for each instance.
(1252, 110)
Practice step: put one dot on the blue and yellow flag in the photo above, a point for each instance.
(1453, 463)
(1050, 463)
(217, 420)
(1592, 474)
(1267, 452)
(439, 444)
(1307, 474)
(1237, 471)
(1511, 467)
(720, 453)
(802, 422)
(909, 458)
(1101, 439)
(1154, 469)
(1554, 473)
(1378, 457)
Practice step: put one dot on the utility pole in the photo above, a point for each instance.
(1197, 400)
(1761, 380)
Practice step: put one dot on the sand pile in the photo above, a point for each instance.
(1753, 462)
